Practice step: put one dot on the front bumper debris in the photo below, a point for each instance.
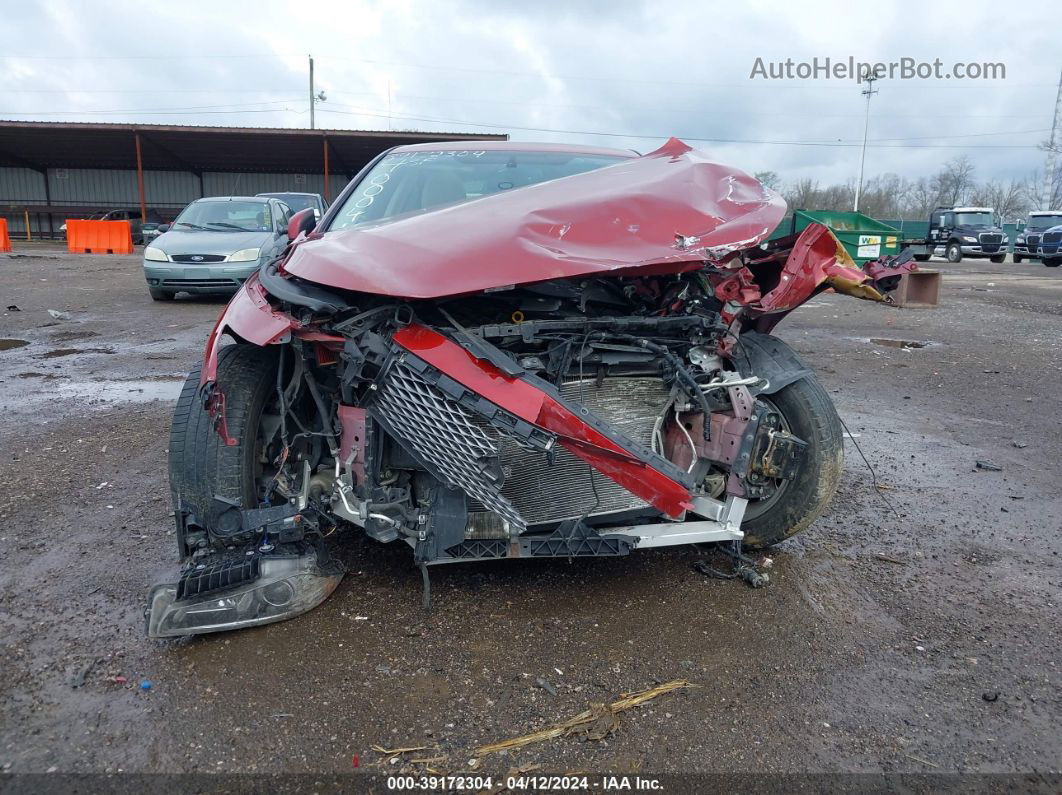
(241, 591)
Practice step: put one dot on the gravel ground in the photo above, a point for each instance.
(919, 636)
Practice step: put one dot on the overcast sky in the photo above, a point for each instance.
(638, 71)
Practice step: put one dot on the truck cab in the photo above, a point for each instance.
(957, 232)
(1027, 242)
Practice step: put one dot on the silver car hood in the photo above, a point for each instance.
(196, 242)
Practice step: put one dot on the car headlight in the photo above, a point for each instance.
(244, 255)
(1018, 239)
(968, 239)
(155, 254)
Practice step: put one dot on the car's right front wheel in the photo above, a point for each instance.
(160, 295)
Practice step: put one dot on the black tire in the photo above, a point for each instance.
(953, 253)
(1017, 259)
(202, 466)
(810, 415)
(999, 259)
(1052, 263)
(160, 295)
(921, 257)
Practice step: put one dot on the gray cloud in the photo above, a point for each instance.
(645, 69)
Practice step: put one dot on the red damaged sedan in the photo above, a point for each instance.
(499, 350)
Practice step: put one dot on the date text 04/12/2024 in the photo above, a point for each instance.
(526, 783)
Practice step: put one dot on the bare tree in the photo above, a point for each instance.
(769, 179)
(1009, 199)
(954, 182)
(802, 195)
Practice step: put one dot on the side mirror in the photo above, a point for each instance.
(1020, 225)
(164, 228)
(316, 213)
(302, 221)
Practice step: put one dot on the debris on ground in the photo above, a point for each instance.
(988, 466)
(889, 559)
(990, 696)
(545, 685)
(393, 754)
(145, 684)
(79, 678)
(55, 313)
(595, 723)
(1020, 445)
(14, 308)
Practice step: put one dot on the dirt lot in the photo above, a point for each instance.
(925, 640)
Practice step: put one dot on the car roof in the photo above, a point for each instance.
(512, 146)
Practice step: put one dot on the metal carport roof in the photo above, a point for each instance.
(43, 145)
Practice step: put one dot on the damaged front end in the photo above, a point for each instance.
(589, 375)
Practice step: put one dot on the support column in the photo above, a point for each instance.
(327, 193)
(140, 179)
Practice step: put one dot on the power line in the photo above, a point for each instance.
(658, 136)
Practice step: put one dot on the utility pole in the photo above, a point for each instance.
(1053, 145)
(312, 99)
(869, 77)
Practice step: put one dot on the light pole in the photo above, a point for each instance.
(314, 98)
(868, 77)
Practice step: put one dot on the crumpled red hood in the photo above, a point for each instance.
(623, 217)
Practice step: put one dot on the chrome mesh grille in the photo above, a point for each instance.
(444, 436)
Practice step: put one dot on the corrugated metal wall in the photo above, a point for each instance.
(240, 184)
(110, 189)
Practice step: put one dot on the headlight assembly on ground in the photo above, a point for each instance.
(286, 586)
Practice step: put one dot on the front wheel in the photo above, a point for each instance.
(1017, 259)
(807, 412)
(998, 259)
(1052, 263)
(954, 252)
(160, 295)
(202, 466)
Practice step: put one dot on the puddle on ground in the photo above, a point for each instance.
(67, 336)
(8, 344)
(133, 391)
(55, 354)
(889, 343)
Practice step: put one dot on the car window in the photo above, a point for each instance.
(226, 216)
(410, 182)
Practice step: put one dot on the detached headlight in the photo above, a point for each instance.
(968, 239)
(244, 255)
(155, 254)
(285, 587)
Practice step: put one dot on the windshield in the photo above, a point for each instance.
(1044, 221)
(409, 182)
(973, 219)
(225, 216)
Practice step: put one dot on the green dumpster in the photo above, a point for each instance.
(862, 237)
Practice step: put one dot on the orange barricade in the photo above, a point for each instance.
(98, 237)
(5, 241)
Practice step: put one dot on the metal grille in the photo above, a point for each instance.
(197, 258)
(1053, 237)
(563, 486)
(444, 436)
(991, 238)
(1032, 240)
